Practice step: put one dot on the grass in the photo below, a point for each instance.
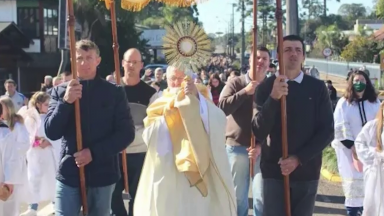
(330, 160)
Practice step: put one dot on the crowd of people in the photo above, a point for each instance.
(187, 139)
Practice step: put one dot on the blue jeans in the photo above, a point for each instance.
(68, 200)
(354, 211)
(239, 162)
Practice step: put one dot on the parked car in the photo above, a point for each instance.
(153, 68)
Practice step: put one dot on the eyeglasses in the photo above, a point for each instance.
(173, 79)
(131, 62)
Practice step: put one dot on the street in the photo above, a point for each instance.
(330, 201)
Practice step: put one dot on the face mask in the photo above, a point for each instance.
(205, 82)
(359, 86)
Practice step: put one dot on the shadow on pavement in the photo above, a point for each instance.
(330, 199)
(328, 210)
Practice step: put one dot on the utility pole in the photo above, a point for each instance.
(233, 29)
(292, 16)
(242, 60)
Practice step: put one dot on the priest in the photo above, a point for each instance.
(186, 170)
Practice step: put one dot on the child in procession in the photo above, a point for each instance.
(43, 155)
(14, 144)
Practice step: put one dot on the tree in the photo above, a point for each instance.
(314, 8)
(330, 37)
(96, 26)
(157, 15)
(380, 9)
(352, 11)
(361, 49)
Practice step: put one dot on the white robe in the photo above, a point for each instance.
(42, 163)
(348, 124)
(163, 191)
(13, 148)
(373, 162)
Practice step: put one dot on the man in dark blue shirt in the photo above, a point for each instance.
(107, 129)
(310, 130)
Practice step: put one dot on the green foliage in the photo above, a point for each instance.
(352, 11)
(91, 15)
(331, 37)
(157, 15)
(361, 49)
(380, 9)
(330, 160)
(313, 8)
(236, 65)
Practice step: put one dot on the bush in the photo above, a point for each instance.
(330, 160)
(236, 65)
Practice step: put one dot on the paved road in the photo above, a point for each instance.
(330, 201)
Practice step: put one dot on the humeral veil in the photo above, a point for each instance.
(186, 171)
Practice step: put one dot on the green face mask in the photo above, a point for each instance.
(359, 86)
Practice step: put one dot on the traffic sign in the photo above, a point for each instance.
(327, 52)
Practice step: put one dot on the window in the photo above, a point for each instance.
(28, 21)
(51, 22)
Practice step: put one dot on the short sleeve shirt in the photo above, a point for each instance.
(17, 99)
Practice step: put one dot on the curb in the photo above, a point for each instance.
(330, 176)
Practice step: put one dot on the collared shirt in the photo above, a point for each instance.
(17, 99)
(298, 79)
(247, 78)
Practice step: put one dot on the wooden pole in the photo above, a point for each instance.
(284, 136)
(254, 65)
(115, 46)
(79, 138)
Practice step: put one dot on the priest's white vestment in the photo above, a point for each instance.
(164, 191)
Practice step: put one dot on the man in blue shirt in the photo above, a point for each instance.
(107, 129)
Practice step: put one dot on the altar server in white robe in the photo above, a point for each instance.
(353, 111)
(13, 155)
(43, 155)
(369, 149)
(186, 171)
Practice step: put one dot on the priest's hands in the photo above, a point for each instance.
(253, 153)
(280, 88)
(83, 157)
(191, 88)
(288, 165)
(73, 91)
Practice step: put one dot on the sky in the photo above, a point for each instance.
(216, 14)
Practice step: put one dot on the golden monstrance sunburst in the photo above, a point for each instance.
(186, 46)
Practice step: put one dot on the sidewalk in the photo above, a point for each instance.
(340, 84)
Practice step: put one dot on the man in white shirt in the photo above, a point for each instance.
(18, 99)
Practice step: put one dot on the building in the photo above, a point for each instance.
(28, 42)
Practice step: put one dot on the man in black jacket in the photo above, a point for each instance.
(310, 130)
(107, 129)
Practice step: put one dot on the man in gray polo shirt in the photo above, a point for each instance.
(18, 99)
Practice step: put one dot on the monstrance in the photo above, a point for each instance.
(186, 46)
